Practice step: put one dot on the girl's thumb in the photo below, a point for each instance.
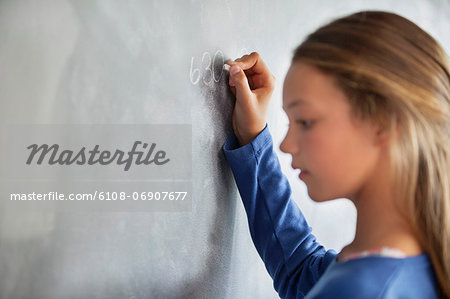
(240, 81)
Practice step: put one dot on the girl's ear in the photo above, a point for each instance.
(382, 135)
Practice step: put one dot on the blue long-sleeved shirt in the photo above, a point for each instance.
(299, 266)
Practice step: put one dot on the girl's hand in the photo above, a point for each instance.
(252, 84)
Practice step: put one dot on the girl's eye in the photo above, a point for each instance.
(304, 123)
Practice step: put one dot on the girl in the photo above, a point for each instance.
(368, 102)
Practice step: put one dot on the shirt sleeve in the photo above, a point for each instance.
(281, 235)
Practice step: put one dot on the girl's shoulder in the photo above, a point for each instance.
(378, 277)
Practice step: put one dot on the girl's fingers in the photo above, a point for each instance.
(230, 82)
(256, 70)
(251, 62)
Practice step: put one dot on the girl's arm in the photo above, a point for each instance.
(283, 239)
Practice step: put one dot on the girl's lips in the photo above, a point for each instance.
(302, 174)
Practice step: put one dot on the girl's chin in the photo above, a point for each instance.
(319, 197)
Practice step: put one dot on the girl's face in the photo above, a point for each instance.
(337, 153)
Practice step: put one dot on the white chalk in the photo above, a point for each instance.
(226, 67)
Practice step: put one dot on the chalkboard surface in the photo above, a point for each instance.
(146, 63)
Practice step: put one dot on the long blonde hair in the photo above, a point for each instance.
(396, 74)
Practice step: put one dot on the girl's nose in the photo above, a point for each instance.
(283, 145)
(288, 145)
